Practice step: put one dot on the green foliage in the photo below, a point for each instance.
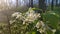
(49, 24)
(51, 19)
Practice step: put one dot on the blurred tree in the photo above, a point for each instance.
(46, 1)
(49, 2)
(52, 4)
(42, 5)
(59, 2)
(16, 3)
(56, 2)
(31, 3)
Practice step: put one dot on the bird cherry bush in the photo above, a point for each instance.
(30, 22)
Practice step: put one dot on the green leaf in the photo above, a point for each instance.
(51, 19)
(49, 32)
(33, 32)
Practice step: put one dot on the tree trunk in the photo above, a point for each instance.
(42, 5)
(16, 3)
(52, 4)
(59, 2)
(56, 2)
(31, 3)
(49, 2)
(46, 1)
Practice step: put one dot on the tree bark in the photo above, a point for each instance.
(31, 3)
(42, 5)
(56, 2)
(49, 2)
(59, 2)
(52, 5)
(16, 3)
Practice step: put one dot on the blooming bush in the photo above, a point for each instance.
(30, 23)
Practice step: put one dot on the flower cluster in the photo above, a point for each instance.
(17, 15)
(29, 16)
(29, 21)
(40, 26)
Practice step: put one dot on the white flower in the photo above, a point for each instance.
(38, 15)
(54, 30)
(23, 22)
(0, 31)
(15, 14)
(41, 30)
(31, 16)
(38, 24)
(26, 19)
(15, 25)
(18, 16)
(53, 13)
(12, 21)
(42, 23)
